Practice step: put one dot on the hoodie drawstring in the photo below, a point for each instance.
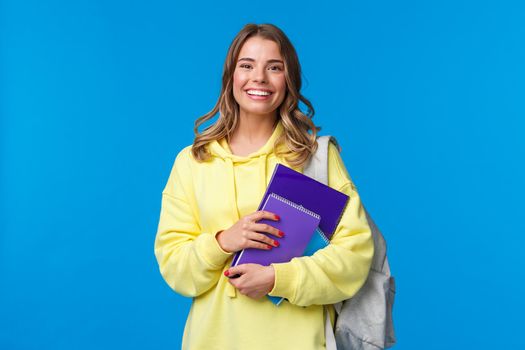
(263, 170)
(230, 290)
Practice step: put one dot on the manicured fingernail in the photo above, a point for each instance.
(281, 234)
(276, 243)
(269, 247)
(226, 273)
(277, 217)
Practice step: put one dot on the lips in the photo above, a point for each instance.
(258, 97)
(256, 88)
(258, 92)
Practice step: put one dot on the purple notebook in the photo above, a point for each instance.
(313, 195)
(298, 225)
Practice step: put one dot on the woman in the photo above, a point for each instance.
(209, 211)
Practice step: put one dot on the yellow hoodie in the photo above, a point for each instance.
(202, 198)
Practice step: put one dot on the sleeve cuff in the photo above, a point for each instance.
(286, 276)
(210, 250)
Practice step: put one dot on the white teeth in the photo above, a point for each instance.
(258, 92)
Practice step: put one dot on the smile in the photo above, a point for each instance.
(258, 93)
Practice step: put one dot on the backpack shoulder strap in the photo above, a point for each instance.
(317, 167)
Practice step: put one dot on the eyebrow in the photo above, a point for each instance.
(252, 60)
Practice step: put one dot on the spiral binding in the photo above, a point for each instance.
(322, 235)
(295, 205)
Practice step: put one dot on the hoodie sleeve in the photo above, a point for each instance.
(190, 261)
(334, 273)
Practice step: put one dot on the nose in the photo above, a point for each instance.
(259, 75)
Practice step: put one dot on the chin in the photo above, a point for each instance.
(259, 111)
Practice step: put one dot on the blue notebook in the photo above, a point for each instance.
(318, 241)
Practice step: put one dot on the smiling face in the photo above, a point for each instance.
(259, 84)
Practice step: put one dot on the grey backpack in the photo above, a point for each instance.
(363, 322)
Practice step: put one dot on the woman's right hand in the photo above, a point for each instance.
(247, 233)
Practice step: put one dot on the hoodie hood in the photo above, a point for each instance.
(221, 149)
(256, 161)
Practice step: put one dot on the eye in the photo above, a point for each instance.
(244, 65)
(278, 68)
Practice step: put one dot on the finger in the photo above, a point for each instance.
(251, 235)
(234, 281)
(238, 270)
(263, 214)
(259, 245)
(262, 238)
(252, 239)
(235, 270)
(267, 228)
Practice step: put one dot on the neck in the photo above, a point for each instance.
(254, 129)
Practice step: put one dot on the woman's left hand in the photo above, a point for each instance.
(255, 280)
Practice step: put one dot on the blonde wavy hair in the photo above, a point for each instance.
(300, 144)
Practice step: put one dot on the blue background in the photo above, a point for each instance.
(97, 98)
